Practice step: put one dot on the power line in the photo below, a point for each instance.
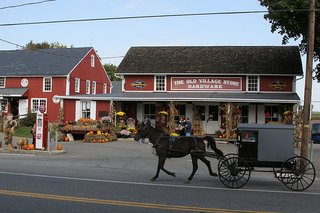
(9, 42)
(150, 16)
(25, 4)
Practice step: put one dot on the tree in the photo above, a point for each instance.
(43, 45)
(111, 71)
(290, 19)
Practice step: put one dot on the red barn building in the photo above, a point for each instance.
(30, 78)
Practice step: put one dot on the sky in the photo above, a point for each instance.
(112, 39)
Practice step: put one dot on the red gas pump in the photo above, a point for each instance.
(41, 129)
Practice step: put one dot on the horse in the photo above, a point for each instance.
(181, 146)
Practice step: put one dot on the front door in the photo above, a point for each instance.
(209, 117)
(212, 119)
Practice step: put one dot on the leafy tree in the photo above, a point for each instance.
(44, 45)
(290, 19)
(111, 71)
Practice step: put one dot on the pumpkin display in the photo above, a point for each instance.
(25, 146)
(59, 147)
(31, 146)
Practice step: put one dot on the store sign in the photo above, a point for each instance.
(138, 84)
(206, 83)
(277, 85)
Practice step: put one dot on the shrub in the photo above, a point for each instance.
(29, 120)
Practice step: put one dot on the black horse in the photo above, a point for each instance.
(177, 147)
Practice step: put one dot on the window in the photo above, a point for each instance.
(94, 86)
(181, 112)
(47, 84)
(85, 109)
(87, 87)
(214, 112)
(104, 88)
(92, 61)
(150, 111)
(36, 102)
(160, 83)
(4, 105)
(2, 82)
(271, 113)
(77, 84)
(252, 83)
(244, 114)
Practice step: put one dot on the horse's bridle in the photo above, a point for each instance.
(156, 143)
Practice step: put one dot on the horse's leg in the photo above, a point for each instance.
(166, 171)
(208, 164)
(158, 169)
(194, 167)
(161, 162)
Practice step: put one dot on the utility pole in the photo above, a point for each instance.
(308, 81)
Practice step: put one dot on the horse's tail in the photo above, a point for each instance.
(212, 144)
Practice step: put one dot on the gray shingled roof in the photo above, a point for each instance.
(41, 62)
(12, 92)
(262, 60)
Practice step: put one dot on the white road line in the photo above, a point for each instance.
(18, 154)
(157, 184)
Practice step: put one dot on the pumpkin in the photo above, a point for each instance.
(94, 140)
(91, 132)
(25, 146)
(84, 140)
(31, 146)
(59, 147)
(66, 139)
(99, 132)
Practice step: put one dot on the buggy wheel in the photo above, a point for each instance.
(225, 157)
(233, 171)
(297, 173)
(276, 172)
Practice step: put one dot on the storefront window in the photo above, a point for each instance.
(213, 112)
(181, 112)
(244, 114)
(150, 111)
(271, 113)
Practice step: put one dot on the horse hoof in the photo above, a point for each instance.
(153, 179)
(187, 181)
(173, 174)
(214, 174)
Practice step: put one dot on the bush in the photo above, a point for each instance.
(30, 120)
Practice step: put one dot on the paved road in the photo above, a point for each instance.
(115, 177)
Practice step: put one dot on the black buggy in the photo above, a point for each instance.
(266, 146)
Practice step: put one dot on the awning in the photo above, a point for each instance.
(193, 97)
(12, 92)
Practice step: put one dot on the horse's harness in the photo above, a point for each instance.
(171, 141)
